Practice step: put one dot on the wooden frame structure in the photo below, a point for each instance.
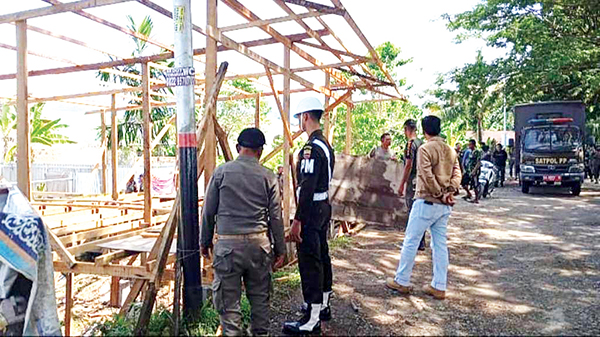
(78, 226)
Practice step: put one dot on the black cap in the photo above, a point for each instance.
(252, 138)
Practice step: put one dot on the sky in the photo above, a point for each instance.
(414, 26)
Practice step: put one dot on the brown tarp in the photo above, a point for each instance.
(365, 190)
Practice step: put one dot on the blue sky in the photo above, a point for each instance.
(414, 26)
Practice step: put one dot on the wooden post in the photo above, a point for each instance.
(287, 145)
(348, 128)
(210, 142)
(115, 292)
(23, 135)
(257, 112)
(103, 144)
(68, 303)
(114, 135)
(327, 122)
(147, 181)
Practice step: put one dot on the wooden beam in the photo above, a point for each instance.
(45, 11)
(94, 244)
(337, 51)
(269, 21)
(327, 119)
(137, 272)
(348, 146)
(337, 102)
(210, 143)
(288, 142)
(114, 136)
(278, 149)
(147, 154)
(246, 13)
(154, 58)
(223, 142)
(257, 112)
(31, 52)
(286, 127)
(366, 42)
(23, 134)
(60, 249)
(107, 258)
(320, 8)
(104, 148)
(68, 302)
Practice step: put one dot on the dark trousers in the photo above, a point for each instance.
(511, 168)
(502, 170)
(313, 254)
(236, 261)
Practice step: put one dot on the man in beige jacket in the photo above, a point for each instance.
(438, 178)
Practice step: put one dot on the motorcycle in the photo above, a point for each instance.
(488, 178)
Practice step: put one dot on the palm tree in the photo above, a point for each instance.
(130, 128)
(43, 131)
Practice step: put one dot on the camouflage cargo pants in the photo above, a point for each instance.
(240, 260)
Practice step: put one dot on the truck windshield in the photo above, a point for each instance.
(551, 139)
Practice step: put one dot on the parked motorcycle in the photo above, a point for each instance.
(488, 178)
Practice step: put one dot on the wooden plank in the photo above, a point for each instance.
(154, 58)
(210, 143)
(147, 180)
(288, 143)
(327, 117)
(223, 142)
(103, 145)
(337, 102)
(114, 146)
(286, 127)
(23, 136)
(45, 11)
(257, 112)
(107, 258)
(133, 293)
(136, 272)
(68, 302)
(94, 244)
(278, 149)
(31, 52)
(60, 249)
(115, 292)
(270, 21)
(246, 13)
(348, 129)
(366, 42)
(319, 7)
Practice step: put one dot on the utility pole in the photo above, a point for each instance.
(188, 248)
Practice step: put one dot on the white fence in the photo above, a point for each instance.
(71, 178)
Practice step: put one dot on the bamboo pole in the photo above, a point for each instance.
(114, 135)
(147, 181)
(23, 135)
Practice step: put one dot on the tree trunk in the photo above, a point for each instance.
(479, 129)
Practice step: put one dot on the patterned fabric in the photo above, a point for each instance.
(473, 161)
(25, 249)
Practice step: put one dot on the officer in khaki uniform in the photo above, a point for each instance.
(243, 204)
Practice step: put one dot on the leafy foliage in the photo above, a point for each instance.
(553, 48)
(42, 131)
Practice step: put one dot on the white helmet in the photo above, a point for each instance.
(308, 104)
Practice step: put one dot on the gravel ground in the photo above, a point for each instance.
(519, 265)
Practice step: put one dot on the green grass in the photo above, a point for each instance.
(341, 242)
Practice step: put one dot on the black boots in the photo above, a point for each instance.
(309, 323)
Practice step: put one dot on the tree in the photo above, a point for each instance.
(553, 47)
(474, 102)
(43, 131)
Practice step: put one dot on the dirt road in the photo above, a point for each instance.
(519, 265)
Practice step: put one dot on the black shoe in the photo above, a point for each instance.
(309, 323)
(325, 314)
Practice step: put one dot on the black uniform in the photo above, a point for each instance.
(314, 171)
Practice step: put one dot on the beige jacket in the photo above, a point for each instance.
(438, 171)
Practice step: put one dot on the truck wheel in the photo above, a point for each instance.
(525, 187)
(576, 189)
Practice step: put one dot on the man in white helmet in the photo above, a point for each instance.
(311, 222)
